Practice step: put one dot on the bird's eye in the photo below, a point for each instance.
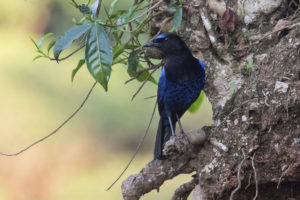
(159, 40)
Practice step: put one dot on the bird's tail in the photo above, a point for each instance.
(162, 136)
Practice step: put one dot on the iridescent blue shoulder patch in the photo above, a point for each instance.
(161, 36)
(202, 65)
(163, 73)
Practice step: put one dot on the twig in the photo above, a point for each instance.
(136, 151)
(238, 176)
(140, 71)
(255, 177)
(68, 56)
(281, 176)
(76, 5)
(139, 16)
(237, 108)
(142, 85)
(146, 98)
(57, 129)
(129, 80)
(261, 38)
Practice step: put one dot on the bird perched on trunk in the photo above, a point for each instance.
(181, 81)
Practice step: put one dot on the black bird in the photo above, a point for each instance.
(181, 81)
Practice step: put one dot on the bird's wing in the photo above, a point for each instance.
(201, 63)
(161, 90)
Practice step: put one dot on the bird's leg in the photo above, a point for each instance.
(180, 126)
(172, 128)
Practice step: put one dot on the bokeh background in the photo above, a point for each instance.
(85, 157)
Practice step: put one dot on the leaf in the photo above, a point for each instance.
(133, 61)
(196, 105)
(72, 34)
(37, 57)
(177, 19)
(127, 16)
(98, 54)
(250, 64)
(118, 50)
(112, 6)
(79, 65)
(50, 46)
(228, 21)
(96, 9)
(44, 38)
(172, 8)
(232, 85)
(115, 16)
(144, 75)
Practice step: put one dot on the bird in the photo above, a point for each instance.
(180, 83)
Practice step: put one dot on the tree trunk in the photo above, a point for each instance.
(253, 83)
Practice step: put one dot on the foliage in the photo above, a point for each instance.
(250, 64)
(196, 105)
(112, 40)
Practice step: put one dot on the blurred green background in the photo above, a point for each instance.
(85, 157)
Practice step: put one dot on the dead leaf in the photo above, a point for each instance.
(228, 20)
(281, 24)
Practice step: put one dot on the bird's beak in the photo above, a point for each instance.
(150, 44)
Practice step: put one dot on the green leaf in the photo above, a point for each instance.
(118, 50)
(79, 65)
(144, 75)
(112, 6)
(37, 57)
(172, 8)
(133, 61)
(196, 105)
(115, 16)
(44, 38)
(72, 34)
(177, 18)
(232, 85)
(128, 15)
(50, 46)
(250, 64)
(95, 9)
(98, 54)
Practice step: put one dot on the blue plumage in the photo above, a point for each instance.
(180, 83)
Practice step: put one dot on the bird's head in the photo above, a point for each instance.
(169, 44)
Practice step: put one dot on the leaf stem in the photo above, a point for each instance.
(68, 56)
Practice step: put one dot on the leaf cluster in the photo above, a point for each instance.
(114, 39)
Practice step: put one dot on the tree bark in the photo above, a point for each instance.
(253, 83)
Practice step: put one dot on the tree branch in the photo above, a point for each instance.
(180, 156)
